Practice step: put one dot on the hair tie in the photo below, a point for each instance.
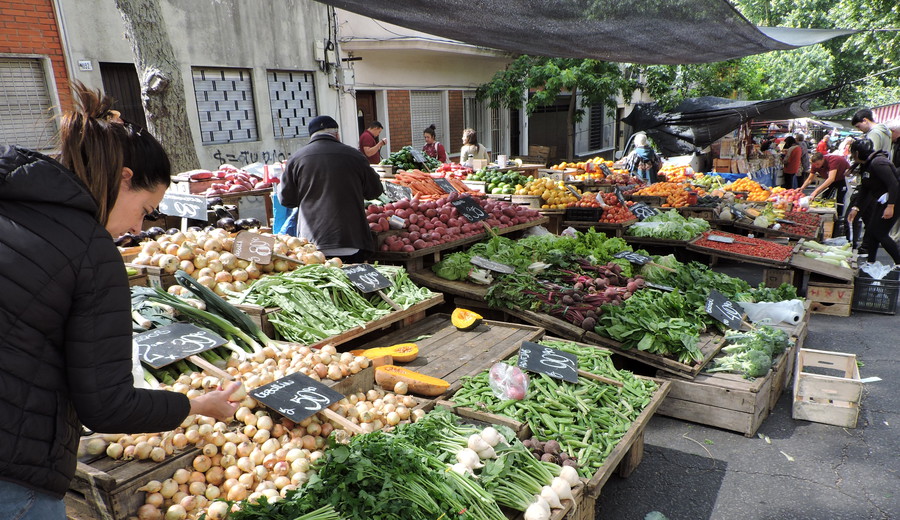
(113, 116)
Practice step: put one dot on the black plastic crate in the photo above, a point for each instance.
(584, 214)
(871, 295)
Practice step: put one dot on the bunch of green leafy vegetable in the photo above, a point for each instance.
(670, 225)
(516, 291)
(403, 159)
(751, 353)
(654, 321)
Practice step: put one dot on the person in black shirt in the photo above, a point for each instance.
(876, 196)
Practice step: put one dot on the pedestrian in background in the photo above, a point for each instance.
(791, 153)
(432, 147)
(471, 149)
(643, 161)
(875, 198)
(369, 144)
(876, 132)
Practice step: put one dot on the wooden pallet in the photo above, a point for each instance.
(156, 276)
(451, 354)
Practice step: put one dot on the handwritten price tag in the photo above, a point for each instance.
(253, 247)
(470, 209)
(557, 364)
(296, 396)
(183, 205)
(166, 345)
(634, 258)
(724, 310)
(366, 278)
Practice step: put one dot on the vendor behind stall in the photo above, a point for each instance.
(832, 168)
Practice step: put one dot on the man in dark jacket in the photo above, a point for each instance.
(329, 182)
(65, 329)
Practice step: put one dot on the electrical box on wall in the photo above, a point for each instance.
(324, 51)
(348, 76)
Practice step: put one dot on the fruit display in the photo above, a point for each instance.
(555, 195)
(756, 193)
(784, 198)
(497, 182)
(677, 194)
(674, 173)
(708, 181)
(228, 179)
(588, 200)
(452, 170)
(435, 222)
(592, 163)
(807, 223)
(615, 213)
(746, 246)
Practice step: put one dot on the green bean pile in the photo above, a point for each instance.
(587, 419)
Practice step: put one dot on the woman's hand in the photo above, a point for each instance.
(217, 403)
(852, 214)
(888, 212)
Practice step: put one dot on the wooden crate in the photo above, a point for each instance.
(156, 277)
(701, 212)
(107, 488)
(833, 299)
(775, 277)
(825, 398)
(783, 370)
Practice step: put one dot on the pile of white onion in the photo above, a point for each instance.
(320, 364)
(260, 455)
(206, 256)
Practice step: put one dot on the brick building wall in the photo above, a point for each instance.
(399, 124)
(30, 27)
(453, 142)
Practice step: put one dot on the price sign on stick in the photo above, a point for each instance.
(367, 279)
(445, 185)
(296, 396)
(166, 345)
(183, 205)
(492, 266)
(634, 258)
(469, 208)
(418, 156)
(557, 364)
(396, 192)
(642, 211)
(724, 310)
(253, 247)
(573, 191)
(619, 196)
(605, 169)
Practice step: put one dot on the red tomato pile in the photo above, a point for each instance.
(747, 246)
(588, 200)
(810, 219)
(452, 170)
(615, 213)
(431, 223)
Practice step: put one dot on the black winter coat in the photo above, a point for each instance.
(65, 327)
(330, 182)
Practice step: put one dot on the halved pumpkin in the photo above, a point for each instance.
(389, 375)
(464, 319)
(401, 352)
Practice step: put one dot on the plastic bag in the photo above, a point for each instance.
(789, 311)
(876, 270)
(804, 202)
(137, 371)
(508, 382)
(536, 231)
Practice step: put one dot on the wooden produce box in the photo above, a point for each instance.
(156, 277)
(833, 299)
(261, 316)
(107, 488)
(775, 277)
(783, 367)
(834, 272)
(703, 212)
(612, 230)
(653, 201)
(828, 399)
(451, 354)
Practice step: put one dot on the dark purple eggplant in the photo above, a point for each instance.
(248, 223)
(172, 231)
(228, 224)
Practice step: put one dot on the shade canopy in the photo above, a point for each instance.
(666, 32)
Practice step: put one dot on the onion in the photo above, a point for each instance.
(114, 450)
(158, 454)
(176, 512)
(212, 492)
(169, 488)
(334, 373)
(392, 418)
(265, 422)
(217, 510)
(181, 476)
(155, 499)
(202, 463)
(151, 487)
(142, 450)
(149, 512)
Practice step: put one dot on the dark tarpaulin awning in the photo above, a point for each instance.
(650, 32)
(698, 122)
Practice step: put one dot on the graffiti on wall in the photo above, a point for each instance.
(246, 157)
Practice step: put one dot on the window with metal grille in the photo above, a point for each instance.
(473, 117)
(292, 96)
(602, 132)
(26, 116)
(426, 108)
(225, 105)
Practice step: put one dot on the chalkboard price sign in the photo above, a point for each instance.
(396, 192)
(418, 156)
(557, 364)
(183, 205)
(493, 266)
(606, 171)
(619, 196)
(366, 278)
(634, 258)
(642, 211)
(445, 185)
(253, 247)
(724, 310)
(573, 191)
(470, 209)
(166, 345)
(296, 396)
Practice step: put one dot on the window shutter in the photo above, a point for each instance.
(26, 116)
(426, 108)
(292, 96)
(225, 105)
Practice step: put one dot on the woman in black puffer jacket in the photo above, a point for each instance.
(65, 324)
(876, 196)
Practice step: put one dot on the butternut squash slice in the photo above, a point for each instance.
(464, 319)
(389, 375)
(401, 352)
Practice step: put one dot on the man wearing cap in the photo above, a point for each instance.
(329, 183)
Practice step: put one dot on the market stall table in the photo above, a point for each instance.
(731, 251)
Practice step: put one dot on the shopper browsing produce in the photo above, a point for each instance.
(792, 160)
(876, 197)
(65, 328)
(329, 182)
(471, 149)
(432, 147)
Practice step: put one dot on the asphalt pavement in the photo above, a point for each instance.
(806, 470)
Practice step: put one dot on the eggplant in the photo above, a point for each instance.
(195, 228)
(221, 212)
(228, 224)
(172, 231)
(126, 240)
(213, 201)
(155, 231)
(209, 228)
(248, 223)
(144, 236)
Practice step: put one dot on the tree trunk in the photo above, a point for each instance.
(570, 125)
(162, 88)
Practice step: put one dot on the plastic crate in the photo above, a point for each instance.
(871, 295)
(584, 214)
